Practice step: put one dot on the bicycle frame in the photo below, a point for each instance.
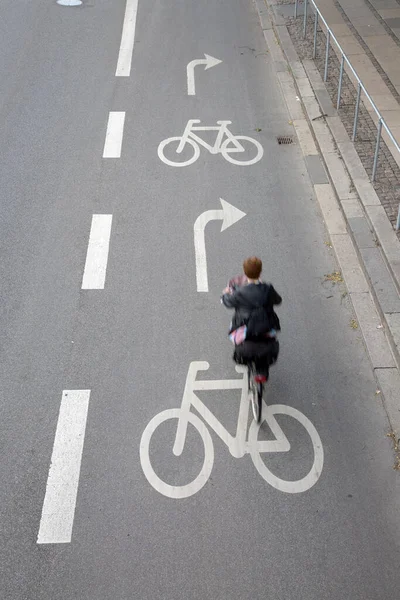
(237, 444)
(222, 130)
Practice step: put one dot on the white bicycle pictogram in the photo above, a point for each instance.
(238, 445)
(232, 144)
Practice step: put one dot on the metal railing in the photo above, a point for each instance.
(330, 36)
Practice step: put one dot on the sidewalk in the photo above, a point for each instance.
(369, 33)
(374, 51)
(359, 216)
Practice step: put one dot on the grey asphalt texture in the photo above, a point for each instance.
(131, 344)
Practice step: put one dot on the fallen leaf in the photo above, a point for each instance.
(396, 447)
(335, 277)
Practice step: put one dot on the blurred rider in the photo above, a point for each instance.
(255, 324)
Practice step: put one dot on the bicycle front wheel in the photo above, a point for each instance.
(247, 149)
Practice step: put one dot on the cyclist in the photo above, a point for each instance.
(255, 324)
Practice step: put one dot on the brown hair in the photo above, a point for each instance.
(252, 267)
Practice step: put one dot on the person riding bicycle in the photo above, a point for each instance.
(255, 324)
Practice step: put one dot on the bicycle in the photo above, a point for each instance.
(230, 145)
(244, 442)
(256, 383)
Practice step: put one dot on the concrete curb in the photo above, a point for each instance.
(366, 247)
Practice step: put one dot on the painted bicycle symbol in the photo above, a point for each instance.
(228, 147)
(238, 445)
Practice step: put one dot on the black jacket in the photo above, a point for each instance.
(254, 307)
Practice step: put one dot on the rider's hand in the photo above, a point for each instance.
(227, 290)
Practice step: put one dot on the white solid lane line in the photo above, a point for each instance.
(62, 483)
(94, 274)
(127, 40)
(114, 135)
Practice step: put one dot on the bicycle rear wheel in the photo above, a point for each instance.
(256, 394)
(258, 403)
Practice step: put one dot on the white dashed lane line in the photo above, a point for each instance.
(114, 135)
(94, 274)
(58, 509)
(62, 484)
(127, 40)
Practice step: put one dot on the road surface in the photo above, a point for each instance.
(110, 306)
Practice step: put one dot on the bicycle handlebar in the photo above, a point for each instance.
(199, 365)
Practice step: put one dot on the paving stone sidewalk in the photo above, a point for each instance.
(368, 34)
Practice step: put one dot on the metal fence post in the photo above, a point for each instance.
(328, 39)
(340, 82)
(378, 141)
(315, 34)
(398, 220)
(356, 113)
(296, 5)
(305, 18)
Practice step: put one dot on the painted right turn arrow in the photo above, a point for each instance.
(208, 61)
(228, 215)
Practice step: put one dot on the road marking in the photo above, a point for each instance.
(114, 135)
(282, 444)
(208, 61)
(226, 143)
(94, 274)
(127, 39)
(62, 484)
(243, 442)
(229, 215)
(69, 2)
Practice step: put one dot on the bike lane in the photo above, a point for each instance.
(133, 346)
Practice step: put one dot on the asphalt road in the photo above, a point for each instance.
(131, 343)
